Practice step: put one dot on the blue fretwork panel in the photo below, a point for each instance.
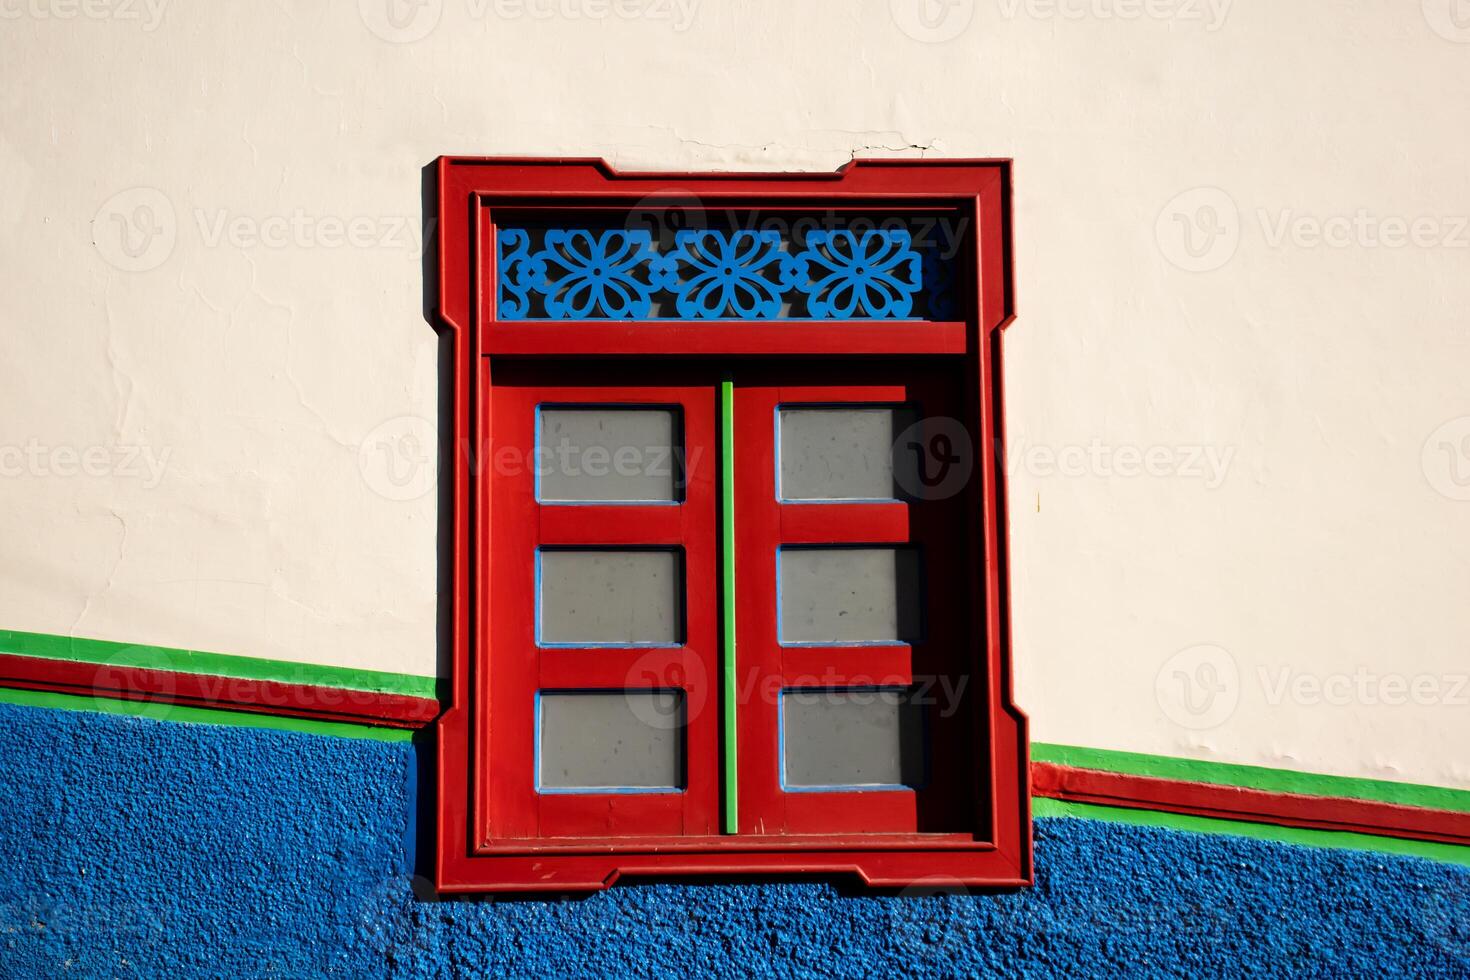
(846, 275)
(724, 274)
(578, 274)
(939, 292)
(800, 271)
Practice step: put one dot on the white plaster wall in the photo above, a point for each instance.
(1326, 540)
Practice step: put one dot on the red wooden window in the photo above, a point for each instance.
(753, 659)
(767, 528)
(524, 526)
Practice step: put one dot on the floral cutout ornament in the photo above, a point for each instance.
(712, 274)
(844, 275)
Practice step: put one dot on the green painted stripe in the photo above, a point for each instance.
(1448, 853)
(727, 597)
(200, 716)
(1253, 777)
(220, 664)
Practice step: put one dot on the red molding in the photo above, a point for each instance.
(664, 338)
(1254, 805)
(213, 691)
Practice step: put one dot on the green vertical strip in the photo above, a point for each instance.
(727, 598)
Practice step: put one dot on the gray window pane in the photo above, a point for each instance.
(598, 597)
(609, 454)
(850, 595)
(845, 452)
(851, 738)
(611, 740)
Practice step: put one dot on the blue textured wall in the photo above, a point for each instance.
(134, 847)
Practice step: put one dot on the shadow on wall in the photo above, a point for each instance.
(444, 416)
(198, 850)
(423, 806)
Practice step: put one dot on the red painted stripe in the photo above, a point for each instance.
(1257, 806)
(213, 691)
(665, 337)
(1048, 780)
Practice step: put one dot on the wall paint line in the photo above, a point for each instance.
(86, 650)
(229, 665)
(1253, 777)
(1041, 806)
(1448, 853)
(158, 711)
(1335, 813)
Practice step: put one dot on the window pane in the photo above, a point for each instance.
(612, 598)
(845, 453)
(849, 595)
(611, 740)
(850, 738)
(608, 454)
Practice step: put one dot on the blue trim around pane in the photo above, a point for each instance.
(641, 645)
(800, 501)
(683, 729)
(677, 455)
(786, 787)
(923, 632)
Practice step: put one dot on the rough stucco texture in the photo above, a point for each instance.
(138, 847)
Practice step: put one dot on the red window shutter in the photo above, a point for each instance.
(732, 808)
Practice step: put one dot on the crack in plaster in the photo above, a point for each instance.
(122, 383)
(326, 427)
(122, 546)
(842, 143)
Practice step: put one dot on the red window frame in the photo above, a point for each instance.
(479, 845)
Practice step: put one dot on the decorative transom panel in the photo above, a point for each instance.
(832, 268)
